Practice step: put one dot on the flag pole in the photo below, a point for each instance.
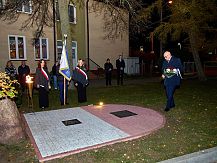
(64, 81)
(64, 90)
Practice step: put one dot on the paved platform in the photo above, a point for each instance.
(59, 133)
(203, 156)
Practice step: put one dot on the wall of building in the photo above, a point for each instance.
(14, 29)
(78, 32)
(100, 48)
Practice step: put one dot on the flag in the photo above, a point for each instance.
(64, 66)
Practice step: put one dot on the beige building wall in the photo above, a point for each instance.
(100, 48)
(14, 29)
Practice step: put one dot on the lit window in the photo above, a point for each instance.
(72, 13)
(41, 48)
(17, 47)
(25, 7)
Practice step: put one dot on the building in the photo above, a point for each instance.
(18, 45)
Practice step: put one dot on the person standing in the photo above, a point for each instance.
(23, 71)
(120, 65)
(80, 81)
(60, 79)
(42, 81)
(10, 70)
(108, 72)
(171, 68)
(54, 74)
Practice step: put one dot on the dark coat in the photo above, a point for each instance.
(41, 80)
(108, 67)
(23, 72)
(120, 64)
(79, 75)
(175, 63)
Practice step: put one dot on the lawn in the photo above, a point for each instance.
(190, 127)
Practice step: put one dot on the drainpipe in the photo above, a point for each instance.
(88, 38)
(54, 29)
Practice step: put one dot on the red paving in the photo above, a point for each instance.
(145, 122)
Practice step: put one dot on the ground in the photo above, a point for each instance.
(190, 126)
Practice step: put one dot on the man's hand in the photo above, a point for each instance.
(163, 76)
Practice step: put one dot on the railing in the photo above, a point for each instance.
(189, 68)
(94, 68)
(93, 65)
(210, 68)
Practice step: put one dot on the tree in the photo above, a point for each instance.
(194, 18)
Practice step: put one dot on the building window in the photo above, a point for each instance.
(57, 12)
(74, 51)
(25, 7)
(72, 13)
(59, 49)
(17, 47)
(41, 48)
(2, 4)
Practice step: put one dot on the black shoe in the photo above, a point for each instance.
(167, 109)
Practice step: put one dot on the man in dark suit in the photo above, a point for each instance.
(108, 71)
(120, 65)
(80, 80)
(171, 68)
(23, 71)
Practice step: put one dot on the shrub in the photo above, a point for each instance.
(7, 86)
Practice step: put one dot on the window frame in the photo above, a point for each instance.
(2, 4)
(75, 16)
(17, 49)
(23, 8)
(73, 48)
(40, 43)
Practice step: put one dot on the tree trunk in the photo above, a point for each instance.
(10, 123)
(196, 56)
(65, 27)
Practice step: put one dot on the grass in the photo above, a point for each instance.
(190, 127)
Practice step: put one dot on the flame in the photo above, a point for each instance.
(29, 79)
(101, 103)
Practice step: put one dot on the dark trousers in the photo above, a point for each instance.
(170, 89)
(120, 75)
(43, 97)
(61, 87)
(108, 78)
(82, 97)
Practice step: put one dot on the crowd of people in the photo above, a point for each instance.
(79, 75)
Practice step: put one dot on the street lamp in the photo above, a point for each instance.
(161, 20)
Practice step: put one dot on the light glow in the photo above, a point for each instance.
(29, 79)
(101, 103)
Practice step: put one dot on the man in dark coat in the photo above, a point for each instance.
(171, 68)
(60, 81)
(108, 72)
(23, 71)
(80, 81)
(120, 65)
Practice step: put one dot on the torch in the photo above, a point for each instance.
(29, 83)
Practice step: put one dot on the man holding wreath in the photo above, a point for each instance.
(171, 68)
